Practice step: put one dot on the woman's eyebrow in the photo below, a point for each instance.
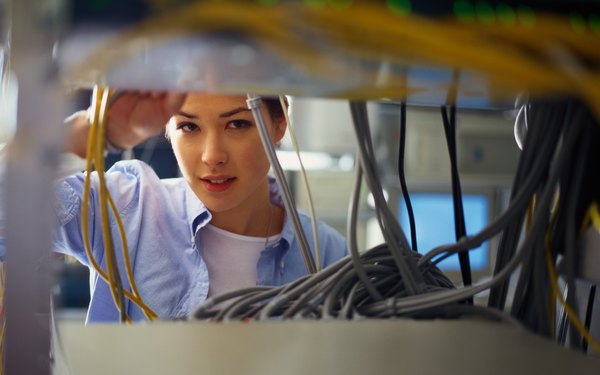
(234, 111)
(181, 113)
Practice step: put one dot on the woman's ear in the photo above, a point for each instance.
(279, 129)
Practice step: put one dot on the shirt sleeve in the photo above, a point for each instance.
(68, 165)
(123, 177)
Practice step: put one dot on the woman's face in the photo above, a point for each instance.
(219, 151)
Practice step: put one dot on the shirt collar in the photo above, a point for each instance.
(197, 213)
(199, 216)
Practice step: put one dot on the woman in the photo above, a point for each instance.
(219, 227)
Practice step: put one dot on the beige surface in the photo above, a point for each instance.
(367, 347)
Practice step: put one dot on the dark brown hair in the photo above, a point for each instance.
(274, 106)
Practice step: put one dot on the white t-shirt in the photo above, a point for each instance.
(231, 258)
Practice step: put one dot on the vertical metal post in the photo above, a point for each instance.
(31, 162)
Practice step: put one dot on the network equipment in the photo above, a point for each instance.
(455, 55)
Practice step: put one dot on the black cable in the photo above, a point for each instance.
(402, 177)
(570, 237)
(516, 208)
(546, 122)
(415, 303)
(537, 150)
(535, 272)
(589, 314)
(390, 228)
(459, 215)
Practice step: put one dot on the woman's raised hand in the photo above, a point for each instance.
(135, 116)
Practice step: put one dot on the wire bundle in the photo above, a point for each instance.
(335, 292)
(391, 280)
(95, 153)
(553, 188)
(331, 44)
(556, 245)
(554, 185)
(362, 285)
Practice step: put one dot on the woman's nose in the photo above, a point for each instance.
(214, 152)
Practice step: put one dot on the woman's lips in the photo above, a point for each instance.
(217, 184)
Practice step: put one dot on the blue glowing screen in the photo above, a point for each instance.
(434, 218)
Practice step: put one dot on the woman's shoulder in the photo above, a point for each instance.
(141, 172)
(332, 243)
(133, 168)
(136, 180)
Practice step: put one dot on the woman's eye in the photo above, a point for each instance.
(239, 124)
(187, 126)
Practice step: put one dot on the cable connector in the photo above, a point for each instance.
(253, 101)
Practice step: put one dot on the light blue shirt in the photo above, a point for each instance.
(163, 222)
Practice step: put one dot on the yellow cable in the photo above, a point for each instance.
(592, 217)
(381, 33)
(96, 157)
(571, 314)
(151, 315)
(101, 147)
(111, 261)
(530, 209)
(107, 200)
(511, 58)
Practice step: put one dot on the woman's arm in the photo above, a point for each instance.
(133, 117)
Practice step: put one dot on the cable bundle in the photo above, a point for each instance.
(573, 190)
(376, 47)
(555, 185)
(553, 196)
(95, 161)
(362, 285)
(335, 292)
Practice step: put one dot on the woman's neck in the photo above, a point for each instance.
(260, 219)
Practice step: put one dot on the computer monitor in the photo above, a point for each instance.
(434, 221)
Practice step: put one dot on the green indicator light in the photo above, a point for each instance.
(485, 12)
(399, 7)
(268, 2)
(100, 4)
(595, 23)
(577, 22)
(506, 14)
(463, 10)
(341, 4)
(526, 16)
(315, 3)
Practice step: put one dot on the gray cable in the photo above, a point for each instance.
(390, 228)
(351, 234)
(416, 303)
(254, 103)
